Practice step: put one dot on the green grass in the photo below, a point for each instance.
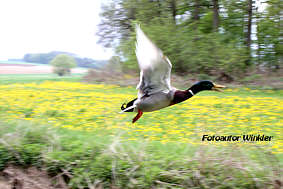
(20, 62)
(36, 78)
(85, 156)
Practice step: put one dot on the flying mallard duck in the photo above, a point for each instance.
(154, 89)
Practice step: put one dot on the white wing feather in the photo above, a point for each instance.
(155, 68)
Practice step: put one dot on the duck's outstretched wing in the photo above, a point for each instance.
(155, 68)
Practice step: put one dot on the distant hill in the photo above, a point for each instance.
(45, 58)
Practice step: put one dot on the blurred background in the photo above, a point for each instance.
(226, 40)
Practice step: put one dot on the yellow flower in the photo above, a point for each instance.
(95, 107)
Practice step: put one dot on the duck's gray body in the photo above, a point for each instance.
(154, 102)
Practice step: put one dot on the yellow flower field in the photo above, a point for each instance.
(95, 108)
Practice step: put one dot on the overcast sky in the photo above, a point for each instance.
(32, 26)
(40, 26)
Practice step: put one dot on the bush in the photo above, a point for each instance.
(62, 64)
(251, 78)
(204, 77)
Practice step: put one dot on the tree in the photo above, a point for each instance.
(198, 36)
(269, 35)
(62, 64)
(249, 31)
(173, 10)
(114, 64)
(115, 25)
(215, 15)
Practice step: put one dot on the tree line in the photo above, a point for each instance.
(199, 36)
(46, 58)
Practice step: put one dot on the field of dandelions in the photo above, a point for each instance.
(95, 108)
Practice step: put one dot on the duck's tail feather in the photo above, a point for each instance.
(129, 107)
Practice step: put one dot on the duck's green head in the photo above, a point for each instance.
(206, 85)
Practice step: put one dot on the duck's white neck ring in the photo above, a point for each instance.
(191, 92)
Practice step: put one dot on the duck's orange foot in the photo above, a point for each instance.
(137, 116)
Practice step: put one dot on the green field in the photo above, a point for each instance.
(67, 125)
(27, 78)
(20, 62)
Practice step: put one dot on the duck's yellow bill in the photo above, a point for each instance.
(217, 87)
